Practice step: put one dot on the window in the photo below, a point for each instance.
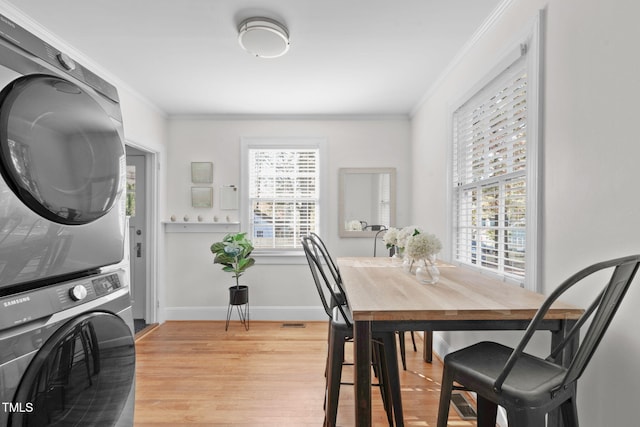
(383, 211)
(131, 191)
(494, 173)
(283, 189)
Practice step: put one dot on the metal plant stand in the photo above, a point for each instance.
(239, 298)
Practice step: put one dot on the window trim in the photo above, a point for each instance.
(282, 256)
(528, 42)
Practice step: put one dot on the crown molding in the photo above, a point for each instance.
(488, 24)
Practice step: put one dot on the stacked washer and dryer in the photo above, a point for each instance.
(67, 355)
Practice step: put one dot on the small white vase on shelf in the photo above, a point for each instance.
(427, 272)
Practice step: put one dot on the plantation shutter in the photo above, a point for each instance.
(283, 195)
(384, 205)
(490, 175)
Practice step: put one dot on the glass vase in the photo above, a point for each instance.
(397, 255)
(407, 264)
(427, 272)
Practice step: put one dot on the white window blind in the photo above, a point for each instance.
(490, 175)
(283, 187)
(383, 211)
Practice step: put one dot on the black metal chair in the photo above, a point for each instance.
(341, 330)
(341, 299)
(527, 386)
(333, 267)
(379, 230)
(403, 346)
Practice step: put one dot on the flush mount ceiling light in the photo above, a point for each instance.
(263, 37)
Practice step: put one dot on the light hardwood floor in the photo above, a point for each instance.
(196, 374)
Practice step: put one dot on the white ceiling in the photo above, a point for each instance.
(347, 57)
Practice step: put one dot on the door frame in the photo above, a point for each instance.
(151, 233)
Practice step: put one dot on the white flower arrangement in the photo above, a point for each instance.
(354, 225)
(390, 238)
(422, 245)
(405, 233)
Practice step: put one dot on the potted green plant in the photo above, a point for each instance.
(234, 253)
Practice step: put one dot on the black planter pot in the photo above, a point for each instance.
(239, 296)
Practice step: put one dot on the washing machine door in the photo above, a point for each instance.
(60, 152)
(82, 376)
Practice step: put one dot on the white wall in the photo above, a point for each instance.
(590, 208)
(196, 288)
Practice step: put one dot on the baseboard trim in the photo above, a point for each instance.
(440, 346)
(255, 313)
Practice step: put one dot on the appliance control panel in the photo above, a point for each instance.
(27, 306)
(20, 37)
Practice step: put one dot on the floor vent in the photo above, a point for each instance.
(462, 406)
(294, 325)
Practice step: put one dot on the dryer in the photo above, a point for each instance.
(62, 165)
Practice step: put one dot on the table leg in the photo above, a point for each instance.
(362, 372)
(427, 348)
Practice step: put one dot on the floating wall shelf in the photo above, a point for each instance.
(201, 227)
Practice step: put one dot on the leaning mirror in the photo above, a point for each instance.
(367, 201)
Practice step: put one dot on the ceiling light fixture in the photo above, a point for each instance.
(263, 37)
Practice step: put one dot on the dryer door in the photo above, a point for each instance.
(60, 152)
(82, 376)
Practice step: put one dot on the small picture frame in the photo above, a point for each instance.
(228, 197)
(202, 172)
(202, 197)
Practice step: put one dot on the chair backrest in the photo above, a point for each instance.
(600, 313)
(329, 289)
(374, 227)
(333, 267)
(379, 229)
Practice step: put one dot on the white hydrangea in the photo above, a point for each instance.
(405, 233)
(354, 225)
(422, 245)
(390, 238)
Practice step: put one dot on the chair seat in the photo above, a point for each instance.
(478, 366)
(338, 321)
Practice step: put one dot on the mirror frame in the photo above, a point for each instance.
(342, 232)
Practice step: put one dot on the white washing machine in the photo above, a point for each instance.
(67, 354)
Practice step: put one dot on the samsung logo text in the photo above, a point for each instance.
(16, 301)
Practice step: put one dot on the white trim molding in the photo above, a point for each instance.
(488, 23)
(272, 313)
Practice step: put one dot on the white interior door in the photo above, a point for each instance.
(137, 232)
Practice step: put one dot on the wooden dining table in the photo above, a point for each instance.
(383, 296)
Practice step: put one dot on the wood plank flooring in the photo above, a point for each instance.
(196, 374)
